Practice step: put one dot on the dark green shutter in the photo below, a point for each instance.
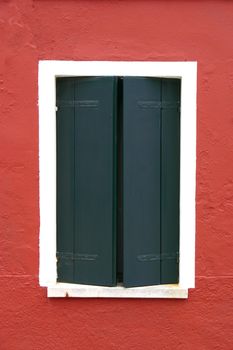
(65, 179)
(148, 180)
(170, 177)
(151, 152)
(86, 186)
(141, 181)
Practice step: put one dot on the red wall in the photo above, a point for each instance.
(31, 30)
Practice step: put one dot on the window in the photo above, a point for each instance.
(104, 103)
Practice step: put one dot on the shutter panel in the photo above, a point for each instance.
(170, 180)
(119, 180)
(141, 181)
(65, 179)
(93, 165)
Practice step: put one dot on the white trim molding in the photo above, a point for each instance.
(48, 72)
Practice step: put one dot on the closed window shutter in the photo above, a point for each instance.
(141, 181)
(86, 180)
(147, 189)
(151, 147)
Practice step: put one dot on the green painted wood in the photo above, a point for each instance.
(65, 180)
(95, 183)
(119, 180)
(141, 181)
(170, 178)
(94, 204)
(147, 214)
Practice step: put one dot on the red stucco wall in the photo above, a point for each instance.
(115, 30)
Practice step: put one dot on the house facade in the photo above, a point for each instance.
(34, 31)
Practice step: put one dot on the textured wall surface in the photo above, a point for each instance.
(31, 30)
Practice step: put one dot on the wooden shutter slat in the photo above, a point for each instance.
(141, 181)
(95, 218)
(170, 152)
(65, 180)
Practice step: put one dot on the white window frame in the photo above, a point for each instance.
(48, 72)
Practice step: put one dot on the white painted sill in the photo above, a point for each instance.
(61, 290)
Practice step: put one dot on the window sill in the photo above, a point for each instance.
(61, 290)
